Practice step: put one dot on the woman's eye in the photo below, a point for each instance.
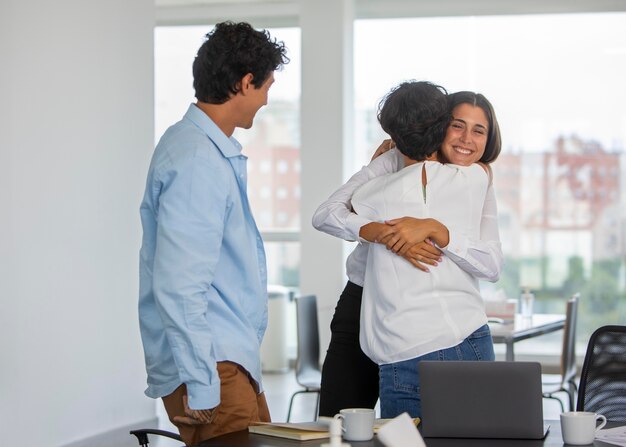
(457, 126)
(480, 131)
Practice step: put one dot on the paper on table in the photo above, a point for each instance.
(400, 432)
(378, 423)
(615, 436)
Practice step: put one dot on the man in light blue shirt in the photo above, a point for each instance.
(203, 286)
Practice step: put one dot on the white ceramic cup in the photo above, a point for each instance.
(358, 423)
(579, 427)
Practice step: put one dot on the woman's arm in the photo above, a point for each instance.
(481, 258)
(335, 215)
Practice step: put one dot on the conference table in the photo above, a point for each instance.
(245, 439)
(523, 328)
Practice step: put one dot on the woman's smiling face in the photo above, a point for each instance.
(466, 137)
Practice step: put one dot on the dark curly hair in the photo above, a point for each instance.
(415, 115)
(494, 140)
(231, 51)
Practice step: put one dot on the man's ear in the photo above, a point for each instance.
(246, 83)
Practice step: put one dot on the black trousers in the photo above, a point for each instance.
(349, 377)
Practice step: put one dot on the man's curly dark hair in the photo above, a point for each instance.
(415, 115)
(231, 51)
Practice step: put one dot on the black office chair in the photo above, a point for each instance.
(308, 372)
(142, 435)
(566, 381)
(603, 378)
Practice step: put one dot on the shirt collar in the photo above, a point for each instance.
(229, 147)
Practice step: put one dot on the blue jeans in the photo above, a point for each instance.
(400, 382)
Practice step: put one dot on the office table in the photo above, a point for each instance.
(524, 328)
(245, 439)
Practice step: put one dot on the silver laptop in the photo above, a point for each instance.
(470, 399)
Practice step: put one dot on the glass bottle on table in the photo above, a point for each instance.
(527, 300)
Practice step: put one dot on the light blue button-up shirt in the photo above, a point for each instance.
(203, 278)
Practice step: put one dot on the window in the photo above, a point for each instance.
(556, 82)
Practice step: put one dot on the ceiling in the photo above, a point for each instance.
(286, 12)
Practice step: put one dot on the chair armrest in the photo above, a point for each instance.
(142, 435)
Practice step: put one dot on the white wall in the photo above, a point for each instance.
(76, 117)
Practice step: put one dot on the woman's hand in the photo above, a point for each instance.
(384, 147)
(408, 231)
(423, 253)
(375, 232)
(402, 236)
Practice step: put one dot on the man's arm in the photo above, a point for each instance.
(192, 208)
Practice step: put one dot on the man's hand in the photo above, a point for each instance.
(195, 417)
(384, 147)
(423, 252)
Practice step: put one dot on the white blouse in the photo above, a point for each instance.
(406, 312)
(481, 257)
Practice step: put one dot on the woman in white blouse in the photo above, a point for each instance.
(349, 378)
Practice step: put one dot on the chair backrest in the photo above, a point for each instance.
(308, 334)
(603, 377)
(568, 355)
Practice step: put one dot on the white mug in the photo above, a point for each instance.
(358, 423)
(579, 427)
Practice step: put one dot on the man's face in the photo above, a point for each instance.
(255, 98)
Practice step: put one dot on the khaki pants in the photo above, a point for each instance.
(240, 405)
